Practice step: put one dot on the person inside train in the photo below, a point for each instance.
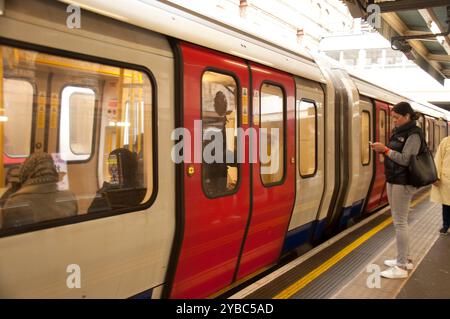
(38, 198)
(12, 183)
(215, 174)
(123, 188)
(406, 141)
(440, 191)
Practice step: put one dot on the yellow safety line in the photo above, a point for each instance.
(301, 283)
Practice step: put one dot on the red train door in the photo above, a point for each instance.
(381, 135)
(216, 196)
(273, 192)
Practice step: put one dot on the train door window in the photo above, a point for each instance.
(98, 104)
(431, 134)
(443, 131)
(436, 135)
(391, 123)
(307, 116)
(365, 138)
(272, 120)
(17, 118)
(77, 123)
(220, 172)
(382, 131)
(427, 132)
(420, 122)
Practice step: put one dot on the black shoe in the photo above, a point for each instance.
(443, 230)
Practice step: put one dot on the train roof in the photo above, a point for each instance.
(165, 18)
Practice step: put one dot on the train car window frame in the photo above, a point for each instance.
(316, 138)
(238, 125)
(32, 118)
(283, 90)
(152, 195)
(361, 140)
(82, 158)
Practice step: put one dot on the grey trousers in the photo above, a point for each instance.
(399, 197)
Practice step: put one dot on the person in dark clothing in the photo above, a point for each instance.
(123, 189)
(215, 174)
(407, 140)
(13, 180)
(38, 198)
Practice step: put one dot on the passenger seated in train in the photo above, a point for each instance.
(38, 198)
(12, 183)
(123, 189)
(215, 174)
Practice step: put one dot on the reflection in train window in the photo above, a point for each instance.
(219, 118)
(365, 138)
(272, 134)
(83, 150)
(382, 131)
(17, 119)
(77, 109)
(307, 115)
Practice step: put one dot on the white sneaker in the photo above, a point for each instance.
(394, 273)
(393, 262)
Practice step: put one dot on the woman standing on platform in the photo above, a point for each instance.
(440, 191)
(405, 142)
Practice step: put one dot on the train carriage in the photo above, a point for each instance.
(105, 101)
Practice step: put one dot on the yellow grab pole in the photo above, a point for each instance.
(140, 113)
(2, 113)
(119, 129)
(131, 116)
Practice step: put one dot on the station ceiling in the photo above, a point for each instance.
(410, 25)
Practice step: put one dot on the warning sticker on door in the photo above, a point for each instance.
(244, 106)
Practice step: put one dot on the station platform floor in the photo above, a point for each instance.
(348, 265)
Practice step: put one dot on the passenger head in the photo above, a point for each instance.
(220, 103)
(122, 166)
(39, 168)
(403, 113)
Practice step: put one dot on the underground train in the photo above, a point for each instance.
(104, 100)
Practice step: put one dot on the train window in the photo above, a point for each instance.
(17, 118)
(365, 138)
(437, 138)
(219, 118)
(443, 131)
(77, 123)
(420, 121)
(382, 131)
(96, 163)
(391, 123)
(307, 116)
(272, 134)
(431, 134)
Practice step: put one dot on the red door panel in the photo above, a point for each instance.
(375, 198)
(213, 227)
(272, 205)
